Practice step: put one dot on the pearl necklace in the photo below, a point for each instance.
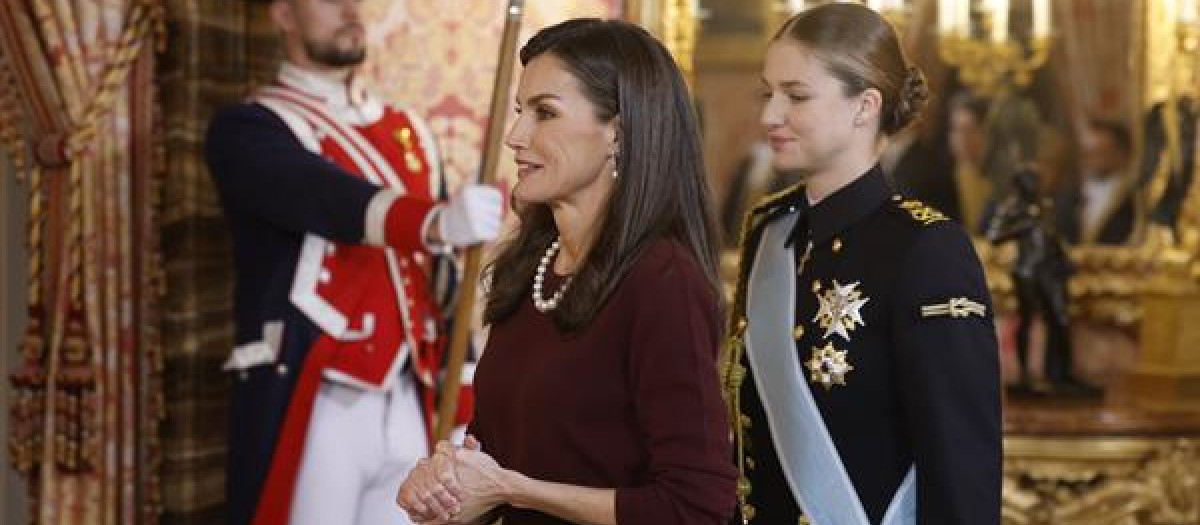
(542, 304)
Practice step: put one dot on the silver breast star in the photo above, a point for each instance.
(840, 309)
(828, 366)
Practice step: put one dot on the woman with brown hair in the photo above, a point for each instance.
(597, 394)
(863, 373)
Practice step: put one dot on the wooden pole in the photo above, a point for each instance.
(464, 312)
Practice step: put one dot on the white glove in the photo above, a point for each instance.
(471, 216)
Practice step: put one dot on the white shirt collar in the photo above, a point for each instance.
(1100, 186)
(346, 98)
(1098, 196)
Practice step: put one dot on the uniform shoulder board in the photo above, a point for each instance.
(771, 204)
(920, 212)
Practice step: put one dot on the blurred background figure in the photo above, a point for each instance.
(1098, 206)
(954, 184)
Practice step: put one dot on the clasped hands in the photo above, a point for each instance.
(456, 486)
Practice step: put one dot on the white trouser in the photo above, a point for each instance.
(360, 446)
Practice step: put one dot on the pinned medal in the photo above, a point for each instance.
(411, 161)
(840, 309)
(828, 366)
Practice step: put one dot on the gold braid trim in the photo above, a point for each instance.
(921, 212)
(733, 372)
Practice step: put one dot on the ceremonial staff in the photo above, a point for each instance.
(463, 312)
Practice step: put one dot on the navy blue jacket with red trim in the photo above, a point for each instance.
(273, 191)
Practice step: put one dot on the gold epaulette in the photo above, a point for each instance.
(919, 211)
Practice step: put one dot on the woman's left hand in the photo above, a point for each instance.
(480, 480)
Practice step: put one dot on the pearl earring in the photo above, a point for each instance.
(615, 173)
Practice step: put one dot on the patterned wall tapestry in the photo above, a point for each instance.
(439, 58)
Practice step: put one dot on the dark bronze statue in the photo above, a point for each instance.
(1039, 276)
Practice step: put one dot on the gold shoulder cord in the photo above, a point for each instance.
(733, 373)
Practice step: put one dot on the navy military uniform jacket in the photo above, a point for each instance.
(252, 152)
(891, 332)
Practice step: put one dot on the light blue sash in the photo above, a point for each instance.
(807, 455)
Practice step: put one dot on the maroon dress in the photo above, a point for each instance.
(630, 402)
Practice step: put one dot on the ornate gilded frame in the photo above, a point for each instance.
(1103, 481)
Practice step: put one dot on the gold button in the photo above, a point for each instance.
(737, 375)
(837, 245)
(798, 332)
(803, 521)
(816, 286)
(281, 369)
(897, 197)
(747, 512)
(743, 486)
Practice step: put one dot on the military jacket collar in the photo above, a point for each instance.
(346, 99)
(841, 209)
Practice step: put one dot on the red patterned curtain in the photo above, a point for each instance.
(78, 79)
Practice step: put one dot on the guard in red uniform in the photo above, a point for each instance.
(343, 254)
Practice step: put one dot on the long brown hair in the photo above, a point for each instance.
(661, 192)
(861, 50)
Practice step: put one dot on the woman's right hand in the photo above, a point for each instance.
(430, 493)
